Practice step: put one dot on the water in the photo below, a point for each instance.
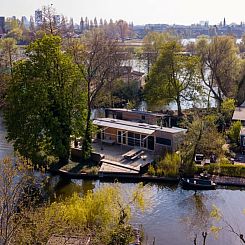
(174, 215)
(6, 149)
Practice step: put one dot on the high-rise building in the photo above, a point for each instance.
(38, 17)
(57, 19)
(2, 24)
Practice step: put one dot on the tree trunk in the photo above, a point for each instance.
(179, 106)
(87, 140)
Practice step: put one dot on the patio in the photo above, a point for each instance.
(115, 154)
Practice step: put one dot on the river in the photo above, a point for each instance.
(174, 215)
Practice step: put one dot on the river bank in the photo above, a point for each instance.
(219, 180)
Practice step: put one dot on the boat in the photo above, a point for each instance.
(197, 184)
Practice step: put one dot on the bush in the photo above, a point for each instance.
(224, 161)
(169, 166)
(223, 169)
(234, 132)
(151, 170)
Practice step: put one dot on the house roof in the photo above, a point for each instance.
(142, 128)
(239, 113)
(138, 112)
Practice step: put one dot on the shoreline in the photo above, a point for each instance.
(219, 180)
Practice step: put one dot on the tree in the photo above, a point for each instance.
(225, 225)
(43, 100)
(152, 44)
(16, 182)
(123, 29)
(8, 55)
(103, 215)
(49, 24)
(221, 69)
(173, 77)
(97, 57)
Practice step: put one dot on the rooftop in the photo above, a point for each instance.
(139, 112)
(239, 113)
(143, 128)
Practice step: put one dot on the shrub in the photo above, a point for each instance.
(224, 169)
(151, 170)
(234, 132)
(169, 166)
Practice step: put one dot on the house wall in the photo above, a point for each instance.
(111, 133)
(175, 138)
(134, 116)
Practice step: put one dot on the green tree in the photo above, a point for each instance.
(8, 55)
(103, 215)
(221, 69)
(152, 44)
(234, 132)
(173, 77)
(200, 133)
(42, 100)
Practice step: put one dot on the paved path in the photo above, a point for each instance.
(229, 181)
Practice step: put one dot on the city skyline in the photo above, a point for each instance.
(139, 12)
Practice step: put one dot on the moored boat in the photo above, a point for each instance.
(197, 184)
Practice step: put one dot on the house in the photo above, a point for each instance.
(163, 119)
(239, 115)
(153, 138)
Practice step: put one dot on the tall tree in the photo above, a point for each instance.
(97, 57)
(152, 44)
(221, 68)
(8, 55)
(173, 77)
(41, 100)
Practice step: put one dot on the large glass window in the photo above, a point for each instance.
(163, 141)
(131, 138)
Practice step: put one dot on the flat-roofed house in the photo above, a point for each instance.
(142, 135)
(140, 116)
(239, 115)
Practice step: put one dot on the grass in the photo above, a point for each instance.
(76, 167)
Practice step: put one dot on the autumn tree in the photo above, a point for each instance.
(173, 77)
(44, 102)
(98, 58)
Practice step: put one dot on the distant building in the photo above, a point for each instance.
(57, 19)
(25, 21)
(38, 17)
(2, 24)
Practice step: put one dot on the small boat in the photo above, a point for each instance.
(197, 184)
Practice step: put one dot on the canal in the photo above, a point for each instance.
(174, 215)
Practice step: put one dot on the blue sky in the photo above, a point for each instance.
(138, 11)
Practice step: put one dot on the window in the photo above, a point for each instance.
(151, 143)
(131, 138)
(163, 141)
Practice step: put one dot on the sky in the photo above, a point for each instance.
(136, 11)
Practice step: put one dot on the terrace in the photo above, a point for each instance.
(122, 158)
